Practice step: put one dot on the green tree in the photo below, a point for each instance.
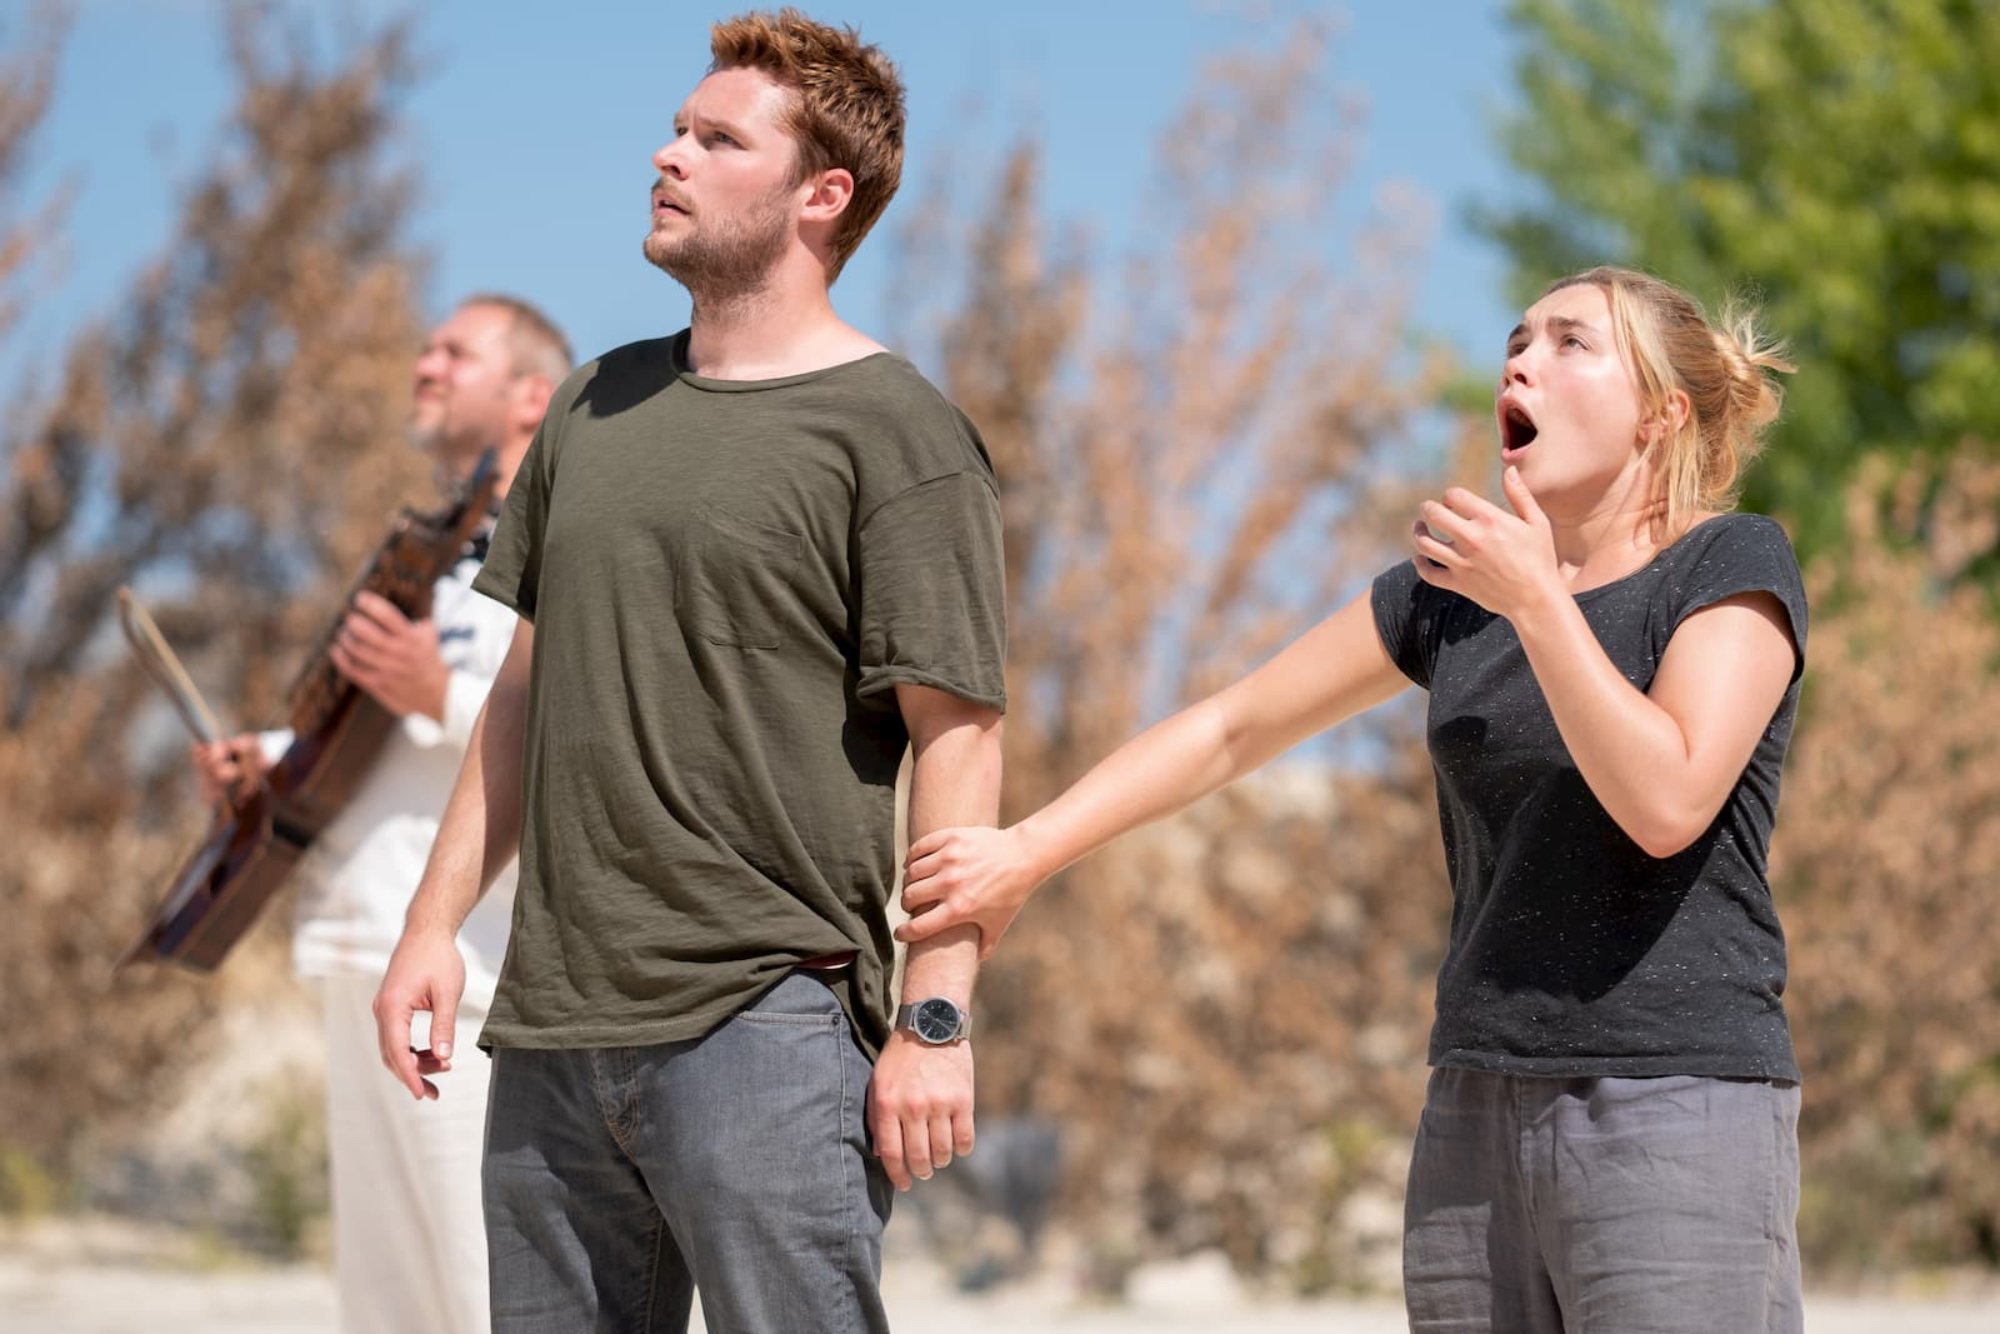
(1840, 159)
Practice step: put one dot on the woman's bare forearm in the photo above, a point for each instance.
(1331, 673)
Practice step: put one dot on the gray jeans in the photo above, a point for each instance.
(1584, 1206)
(618, 1180)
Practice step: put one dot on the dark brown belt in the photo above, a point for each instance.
(829, 962)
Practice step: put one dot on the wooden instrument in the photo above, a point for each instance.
(337, 731)
(150, 647)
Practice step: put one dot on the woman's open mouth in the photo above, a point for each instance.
(1517, 429)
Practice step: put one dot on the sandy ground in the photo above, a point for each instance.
(106, 1278)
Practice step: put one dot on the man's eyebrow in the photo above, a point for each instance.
(711, 123)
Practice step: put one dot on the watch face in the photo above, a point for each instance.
(935, 1020)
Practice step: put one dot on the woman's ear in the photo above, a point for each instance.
(1676, 411)
(1666, 422)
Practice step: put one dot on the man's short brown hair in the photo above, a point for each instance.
(847, 110)
(538, 346)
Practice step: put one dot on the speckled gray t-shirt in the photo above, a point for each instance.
(1573, 952)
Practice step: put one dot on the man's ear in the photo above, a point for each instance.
(830, 193)
(532, 393)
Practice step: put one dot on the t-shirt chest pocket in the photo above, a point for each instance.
(735, 584)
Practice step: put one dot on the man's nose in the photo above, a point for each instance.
(670, 159)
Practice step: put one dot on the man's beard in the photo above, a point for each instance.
(425, 435)
(452, 443)
(723, 259)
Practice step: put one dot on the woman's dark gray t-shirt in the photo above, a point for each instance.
(1573, 952)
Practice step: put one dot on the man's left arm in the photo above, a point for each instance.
(920, 1098)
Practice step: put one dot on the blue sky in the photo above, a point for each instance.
(533, 126)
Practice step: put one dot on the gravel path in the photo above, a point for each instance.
(60, 1281)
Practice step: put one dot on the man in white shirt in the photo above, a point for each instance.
(409, 1238)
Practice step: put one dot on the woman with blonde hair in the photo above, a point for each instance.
(1609, 1138)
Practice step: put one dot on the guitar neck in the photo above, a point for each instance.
(420, 550)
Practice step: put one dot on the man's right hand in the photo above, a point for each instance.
(425, 973)
(229, 771)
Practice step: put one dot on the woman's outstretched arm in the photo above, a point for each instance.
(983, 876)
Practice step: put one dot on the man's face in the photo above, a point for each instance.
(464, 385)
(725, 205)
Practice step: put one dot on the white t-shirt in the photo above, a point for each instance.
(357, 877)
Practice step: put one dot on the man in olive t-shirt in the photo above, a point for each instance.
(728, 580)
(753, 563)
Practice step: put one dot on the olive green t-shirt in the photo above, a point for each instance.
(727, 580)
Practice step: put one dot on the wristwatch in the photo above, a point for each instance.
(935, 1021)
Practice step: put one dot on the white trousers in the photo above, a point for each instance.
(409, 1234)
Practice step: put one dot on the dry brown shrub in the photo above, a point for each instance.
(1226, 1014)
(27, 78)
(1886, 865)
(230, 442)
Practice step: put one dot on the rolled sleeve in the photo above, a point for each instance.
(513, 568)
(933, 592)
(1747, 553)
(1409, 615)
